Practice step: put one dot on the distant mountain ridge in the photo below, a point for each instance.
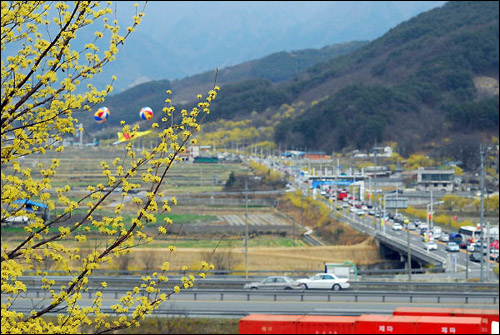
(407, 86)
(178, 39)
(419, 85)
(277, 67)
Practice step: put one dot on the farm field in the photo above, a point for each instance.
(278, 258)
(80, 167)
(202, 226)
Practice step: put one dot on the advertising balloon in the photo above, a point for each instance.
(146, 113)
(101, 115)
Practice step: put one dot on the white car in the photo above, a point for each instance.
(397, 226)
(445, 237)
(437, 232)
(431, 245)
(17, 219)
(326, 281)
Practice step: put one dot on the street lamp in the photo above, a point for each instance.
(431, 225)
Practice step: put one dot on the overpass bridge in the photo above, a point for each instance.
(418, 255)
(391, 244)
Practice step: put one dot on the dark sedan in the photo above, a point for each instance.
(476, 256)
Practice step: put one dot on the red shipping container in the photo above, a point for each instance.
(332, 324)
(449, 325)
(387, 324)
(487, 315)
(269, 324)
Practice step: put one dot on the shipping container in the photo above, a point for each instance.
(387, 324)
(269, 324)
(487, 315)
(334, 324)
(449, 325)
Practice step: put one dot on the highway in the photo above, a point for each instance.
(237, 303)
(456, 262)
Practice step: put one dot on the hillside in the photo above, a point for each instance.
(430, 84)
(277, 67)
(415, 85)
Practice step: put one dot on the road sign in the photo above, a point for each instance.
(396, 203)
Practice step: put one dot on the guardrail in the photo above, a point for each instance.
(193, 312)
(239, 273)
(300, 295)
(311, 240)
(238, 282)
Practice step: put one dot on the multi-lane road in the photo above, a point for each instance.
(237, 303)
(456, 262)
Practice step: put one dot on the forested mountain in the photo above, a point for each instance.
(277, 67)
(419, 84)
(429, 84)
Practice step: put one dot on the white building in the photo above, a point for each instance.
(436, 180)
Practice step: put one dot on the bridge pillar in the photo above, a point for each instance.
(415, 264)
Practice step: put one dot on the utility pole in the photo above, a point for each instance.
(375, 187)
(466, 266)
(488, 251)
(246, 229)
(481, 153)
(212, 193)
(302, 208)
(409, 253)
(432, 215)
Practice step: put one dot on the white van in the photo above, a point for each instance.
(437, 232)
(17, 219)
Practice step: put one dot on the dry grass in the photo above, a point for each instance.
(282, 259)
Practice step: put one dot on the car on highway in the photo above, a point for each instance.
(437, 232)
(455, 237)
(478, 247)
(411, 226)
(494, 254)
(430, 245)
(428, 237)
(326, 281)
(274, 283)
(452, 247)
(475, 256)
(397, 226)
(445, 237)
